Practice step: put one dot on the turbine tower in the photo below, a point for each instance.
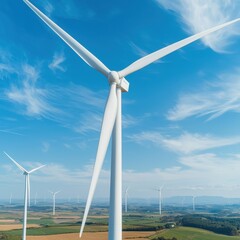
(193, 203)
(160, 199)
(126, 199)
(27, 192)
(10, 199)
(112, 118)
(35, 199)
(54, 200)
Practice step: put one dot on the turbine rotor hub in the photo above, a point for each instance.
(113, 77)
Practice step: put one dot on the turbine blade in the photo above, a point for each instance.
(82, 52)
(142, 62)
(28, 190)
(105, 135)
(35, 169)
(18, 165)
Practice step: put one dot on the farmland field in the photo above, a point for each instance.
(188, 233)
(138, 225)
(93, 236)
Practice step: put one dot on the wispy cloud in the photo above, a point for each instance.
(89, 122)
(33, 99)
(140, 52)
(92, 122)
(205, 170)
(198, 15)
(186, 143)
(48, 7)
(68, 9)
(137, 50)
(73, 106)
(45, 146)
(87, 97)
(6, 66)
(10, 131)
(56, 64)
(213, 100)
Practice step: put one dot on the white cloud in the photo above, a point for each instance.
(201, 172)
(48, 7)
(89, 122)
(45, 146)
(87, 97)
(58, 59)
(11, 131)
(213, 100)
(33, 99)
(128, 121)
(6, 68)
(199, 15)
(186, 143)
(140, 52)
(68, 9)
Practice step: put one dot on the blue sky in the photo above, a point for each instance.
(180, 116)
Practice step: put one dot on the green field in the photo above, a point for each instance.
(68, 220)
(188, 233)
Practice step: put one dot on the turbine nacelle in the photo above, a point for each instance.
(113, 77)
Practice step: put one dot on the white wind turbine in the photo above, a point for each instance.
(54, 200)
(126, 199)
(160, 199)
(27, 192)
(35, 199)
(112, 118)
(193, 202)
(10, 199)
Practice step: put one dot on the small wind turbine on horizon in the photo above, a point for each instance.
(10, 199)
(27, 191)
(160, 199)
(54, 200)
(112, 118)
(126, 199)
(193, 202)
(35, 199)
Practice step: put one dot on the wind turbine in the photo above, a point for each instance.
(160, 199)
(35, 199)
(193, 202)
(27, 192)
(10, 199)
(126, 199)
(54, 200)
(112, 118)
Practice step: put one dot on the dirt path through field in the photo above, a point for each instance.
(93, 236)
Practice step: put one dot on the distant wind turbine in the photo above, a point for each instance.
(35, 199)
(160, 199)
(10, 199)
(126, 199)
(112, 118)
(54, 200)
(193, 203)
(27, 192)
